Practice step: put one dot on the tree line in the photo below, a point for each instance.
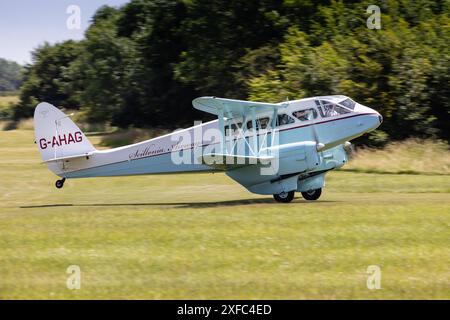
(10, 76)
(143, 63)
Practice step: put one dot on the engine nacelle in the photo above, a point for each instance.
(294, 159)
(311, 183)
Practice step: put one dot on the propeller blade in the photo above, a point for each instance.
(349, 148)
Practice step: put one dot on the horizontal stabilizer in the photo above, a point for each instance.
(88, 154)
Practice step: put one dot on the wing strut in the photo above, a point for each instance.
(222, 130)
(254, 133)
(247, 110)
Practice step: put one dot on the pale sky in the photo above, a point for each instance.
(25, 24)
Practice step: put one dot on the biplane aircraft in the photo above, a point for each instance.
(269, 148)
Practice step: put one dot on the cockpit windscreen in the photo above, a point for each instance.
(348, 103)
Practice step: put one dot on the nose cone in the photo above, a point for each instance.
(374, 119)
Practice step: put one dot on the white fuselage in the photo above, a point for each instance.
(156, 156)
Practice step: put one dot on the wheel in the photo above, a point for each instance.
(284, 197)
(312, 194)
(60, 183)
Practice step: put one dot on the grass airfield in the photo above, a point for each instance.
(205, 237)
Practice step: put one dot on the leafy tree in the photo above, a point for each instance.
(154, 27)
(218, 34)
(10, 75)
(47, 78)
(100, 73)
(399, 70)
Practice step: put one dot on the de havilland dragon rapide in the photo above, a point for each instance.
(269, 148)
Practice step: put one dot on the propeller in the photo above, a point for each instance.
(349, 148)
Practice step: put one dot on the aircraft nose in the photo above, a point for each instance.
(377, 120)
(374, 120)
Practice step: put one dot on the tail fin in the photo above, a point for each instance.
(57, 136)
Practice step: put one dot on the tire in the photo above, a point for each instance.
(59, 184)
(284, 197)
(312, 194)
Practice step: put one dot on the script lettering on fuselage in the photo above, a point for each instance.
(62, 139)
(181, 147)
(147, 151)
(154, 150)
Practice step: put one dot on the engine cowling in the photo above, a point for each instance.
(311, 183)
(282, 175)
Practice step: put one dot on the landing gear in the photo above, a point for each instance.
(60, 183)
(284, 197)
(312, 194)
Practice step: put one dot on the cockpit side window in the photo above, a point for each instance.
(305, 115)
(329, 109)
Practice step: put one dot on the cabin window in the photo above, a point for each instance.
(233, 128)
(305, 115)
(261, 123)
(283, 119)
(329, 109)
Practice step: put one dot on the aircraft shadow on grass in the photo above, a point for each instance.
(227, 203)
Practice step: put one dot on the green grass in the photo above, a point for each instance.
(203, 236)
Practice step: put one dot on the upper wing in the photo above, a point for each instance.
(233, 108)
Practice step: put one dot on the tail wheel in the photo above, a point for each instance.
(312, 194)
(284, 197)
(60, 183)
